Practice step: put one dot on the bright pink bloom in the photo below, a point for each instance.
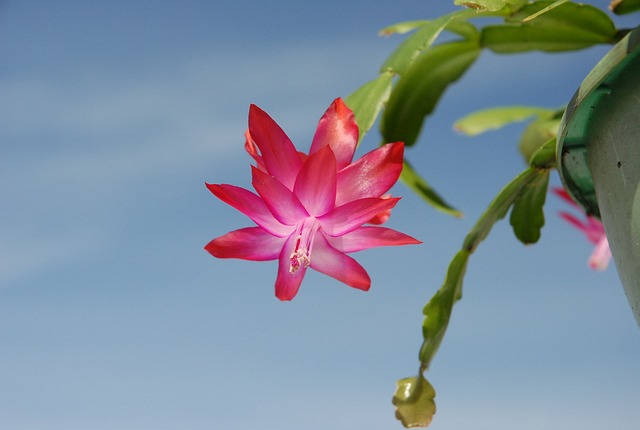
(310, 210)
(592, 229)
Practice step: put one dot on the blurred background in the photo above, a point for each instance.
(112, 316)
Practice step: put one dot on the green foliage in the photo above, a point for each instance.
(417, 184)
(527, 217)
(621, 7)
(367, 101)
(545, 156)
(498, 208)
(569, 26)
(491, 5)
(418, 91)
(525, 194)
(404, 55)
(545, 9)
(403, 27)
(538, 132)
(497, 117)
(456, 24)
(535, 135)
(522, 191)
(464, 29)
(438, 311)
(425, 70)
(414, 402)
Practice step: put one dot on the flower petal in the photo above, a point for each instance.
(281, 201)
(251, 243)
(372, 175)
(370, 237)
(564, 195)
(573, 220)
(352, 215)
(287, 283)
(591, 228)
(601, 255)
(316, 182)
(251, 205)
(383, 216)
(278, 153)
(380, 218)
(325, 259)
(252, 149)
(338, 129)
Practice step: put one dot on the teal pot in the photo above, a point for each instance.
(599, 155)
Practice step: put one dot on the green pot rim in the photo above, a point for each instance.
(572, 139)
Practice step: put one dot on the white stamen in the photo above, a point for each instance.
(300, 257)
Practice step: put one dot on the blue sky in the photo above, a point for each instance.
(112, 316)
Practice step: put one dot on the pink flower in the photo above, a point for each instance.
(310, 210)
(592, 229)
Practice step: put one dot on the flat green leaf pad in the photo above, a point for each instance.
(414, 401)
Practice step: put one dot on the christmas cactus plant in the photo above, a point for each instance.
(311, 210)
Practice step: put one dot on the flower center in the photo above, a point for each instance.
(300, 257)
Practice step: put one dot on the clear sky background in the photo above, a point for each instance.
(112, 316)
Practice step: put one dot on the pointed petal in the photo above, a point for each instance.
(252, 243)
(352, 215)
(574, 221)
(251, 205)
(252, 149)
(370, 237)
(281, 201)
(331, 262)
(564, 195)
(601, 256)
(591, 228)
(316, 182)
(372, 175)
(380, 218)
(338, 129)
(383, 216)
(287, 283)
(595, 229)
(278, 153)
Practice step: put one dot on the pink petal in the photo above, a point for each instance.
(352, 215)
(383, 216)
(251, 205)
(325, 259)
(316, 182)
(252, 243)
(601, 256)
(591, 228)
(380, 218)
(278, 153)
(338, 129)
(573, 220)
(372, 175)
(370, 237)
(281, 201)
(564, 195)
(287, 283)
(595, 229)
(252, 149)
